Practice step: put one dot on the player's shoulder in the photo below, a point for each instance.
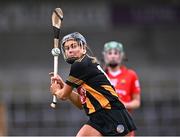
(131, 71)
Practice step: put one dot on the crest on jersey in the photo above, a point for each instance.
(82, 92)
(123, 81)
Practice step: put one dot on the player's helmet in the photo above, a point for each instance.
(109, 46)
(75, 36)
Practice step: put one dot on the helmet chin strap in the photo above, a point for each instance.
(71, 60)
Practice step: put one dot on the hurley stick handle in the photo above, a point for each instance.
(57, 17)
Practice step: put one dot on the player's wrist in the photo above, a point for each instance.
(57, 92)
(59, 95)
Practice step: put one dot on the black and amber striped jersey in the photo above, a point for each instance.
(93, 85)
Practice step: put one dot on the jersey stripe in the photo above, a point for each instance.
(89, 106)
(114, 101)
(110, 89)
(103, 101)
(75, 80)
(94, 102)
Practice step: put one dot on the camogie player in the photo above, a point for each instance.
(88, 88)
(123, 79)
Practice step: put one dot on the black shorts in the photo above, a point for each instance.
(112, 122)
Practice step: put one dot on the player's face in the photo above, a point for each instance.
(113, 56)
(73, 49)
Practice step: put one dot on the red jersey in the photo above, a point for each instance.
(125, 82)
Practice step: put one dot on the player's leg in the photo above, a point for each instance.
(88, 130)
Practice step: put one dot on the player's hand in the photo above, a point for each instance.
(54, 88)
(56, 79)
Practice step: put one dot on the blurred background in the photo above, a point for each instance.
(149, 30)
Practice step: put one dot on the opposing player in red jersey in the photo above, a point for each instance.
(123, 79)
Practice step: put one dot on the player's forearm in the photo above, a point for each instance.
(134, 104)
(75, 99)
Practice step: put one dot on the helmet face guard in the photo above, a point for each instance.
(72, 36)
(113, 45)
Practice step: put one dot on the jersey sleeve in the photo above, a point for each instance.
(135, 83)
(77, 74)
